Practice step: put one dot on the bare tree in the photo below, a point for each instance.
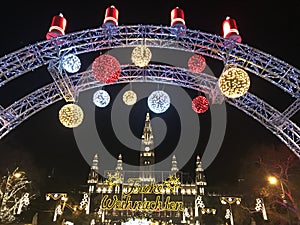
(281, 197)
(15, 195)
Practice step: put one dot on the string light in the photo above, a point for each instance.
(70, 115)
(158, 101)
(71, 63)
(234, 82)
(106, 68)
(101, 98)
(137, 221)
(141, 56)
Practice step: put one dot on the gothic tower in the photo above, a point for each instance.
(200, 177)
(147, 157)
(174, 168)
(119, 166)
(93, 175)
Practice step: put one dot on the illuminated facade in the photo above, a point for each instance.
(145, 196)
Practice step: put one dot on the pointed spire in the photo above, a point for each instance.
(147, 136)
(147, 155)
(174, 168)
(93, 175)
(200, 177)
(95, 163)
(199, 164)
(119, 166)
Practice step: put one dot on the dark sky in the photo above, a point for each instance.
(42, 143)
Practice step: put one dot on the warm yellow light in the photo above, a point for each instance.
(18, 174)
(63, 198)
(129, 97)
(141, 56)
(272, 180)
(234, 82)
(70, 115)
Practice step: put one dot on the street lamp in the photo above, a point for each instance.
(59, 209)
(274, 181)
(230, 201)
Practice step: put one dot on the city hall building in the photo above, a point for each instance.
(141, 197)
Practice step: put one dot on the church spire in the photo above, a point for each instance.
(119, 166)
(174, 168)
(147, 158)
(93, 175)
(200, 177)
(147, 137)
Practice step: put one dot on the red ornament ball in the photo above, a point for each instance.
(200, 104)
(106, 69)
(196, 63)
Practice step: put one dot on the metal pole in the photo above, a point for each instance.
(231, 215)
(285, 201)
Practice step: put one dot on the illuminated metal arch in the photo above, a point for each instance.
(286, 130)
(262, 64)
(50, 52)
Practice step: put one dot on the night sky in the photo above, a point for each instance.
(45, 149)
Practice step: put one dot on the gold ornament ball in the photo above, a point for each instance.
(234, 82)
(129, 97)
(141, 56)
(70, 115)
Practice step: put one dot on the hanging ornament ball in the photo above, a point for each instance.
(70, 115)
(158, 101)
(200, 104)
(141, 56)
(196, 63)
(101, 98)
(71, 63)
(234, 82)
(106, 69)
(129, 97)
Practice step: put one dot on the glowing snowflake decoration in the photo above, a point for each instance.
(101, 98)
(71, 63)
(158, 101)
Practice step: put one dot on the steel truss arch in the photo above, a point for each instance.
(285, 130)
(257, 62)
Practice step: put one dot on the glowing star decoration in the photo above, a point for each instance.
(129, 97)
(234, 82)
(172, 183)
(101, 98)
(70, 115)
(141, 56)
(71, 63)
(114, 179)
(158, 101)
(106, 69)
(196, 63)
(200, 104)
